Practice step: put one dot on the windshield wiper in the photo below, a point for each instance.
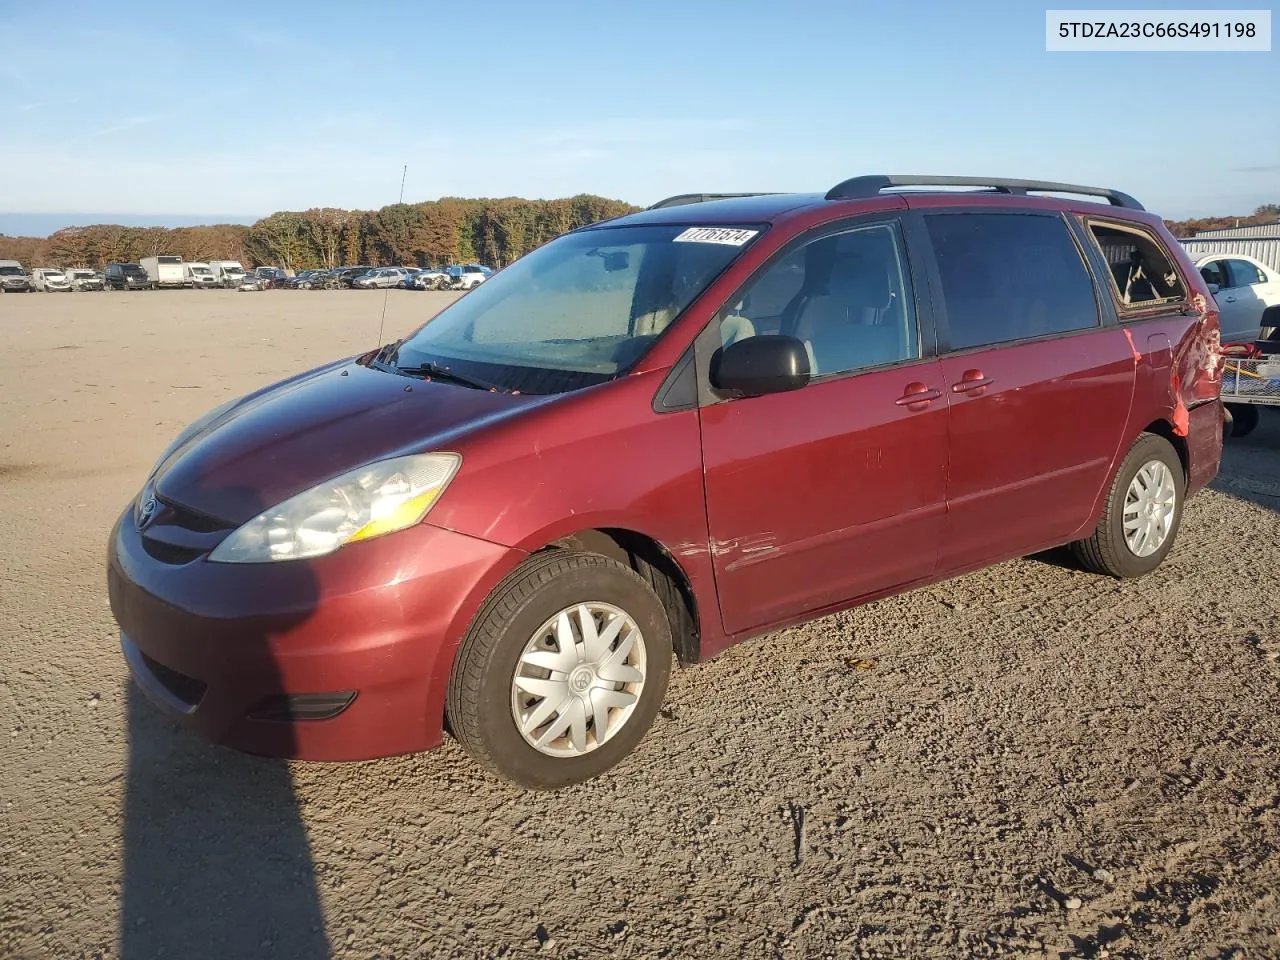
(434, 371)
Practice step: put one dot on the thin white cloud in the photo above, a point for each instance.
(28, 107)
(128, 123)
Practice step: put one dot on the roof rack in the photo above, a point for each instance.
(871, 185)
(682, 198)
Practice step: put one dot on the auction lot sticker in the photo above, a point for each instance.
(730, 235)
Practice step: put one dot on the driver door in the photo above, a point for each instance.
(835, 491)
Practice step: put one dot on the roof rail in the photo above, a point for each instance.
(871, 185)
(682, 198)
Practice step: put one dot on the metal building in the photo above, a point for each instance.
(1264, 249)
(1237, 233)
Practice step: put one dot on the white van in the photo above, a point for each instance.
(13, 279)
(199, 275)
(163, 271)
(50, 279)
(229, 273)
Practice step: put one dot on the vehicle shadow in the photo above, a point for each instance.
(1251, 464)
(216, 858)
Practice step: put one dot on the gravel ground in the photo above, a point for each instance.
(1025, 761)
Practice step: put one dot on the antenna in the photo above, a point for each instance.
(386, 291)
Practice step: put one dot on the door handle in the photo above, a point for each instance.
(1229, 299)
(972, 381)
(917, 396)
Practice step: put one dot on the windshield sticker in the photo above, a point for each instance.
(727, 235)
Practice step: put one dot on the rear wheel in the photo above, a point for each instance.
(562, 672)
(1244, 419)
(1142, 512)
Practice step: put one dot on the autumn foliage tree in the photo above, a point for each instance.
(450, 230)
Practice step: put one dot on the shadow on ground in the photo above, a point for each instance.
(216, 860)
(1251, 464)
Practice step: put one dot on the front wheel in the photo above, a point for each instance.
(562, 672)
(1142, 512)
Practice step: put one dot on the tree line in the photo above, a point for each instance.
(430, 234)
(434, 233)
(1183, 229)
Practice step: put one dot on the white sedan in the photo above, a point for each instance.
(1244, 289)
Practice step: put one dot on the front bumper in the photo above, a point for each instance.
(239, 653)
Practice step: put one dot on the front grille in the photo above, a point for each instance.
(188, 519)
(168, 552)
(187, 689)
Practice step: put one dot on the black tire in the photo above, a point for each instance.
(1244, 418)
(478, 705)
(1106, 552)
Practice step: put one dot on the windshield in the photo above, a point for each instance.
(133, 270)
(81, 274)
(54, 275)
(201, 270)
(11, 272)
(578, 311)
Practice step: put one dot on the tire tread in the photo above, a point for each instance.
(485, 633)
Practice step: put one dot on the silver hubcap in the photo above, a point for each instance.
(1148, 508)
(578, 680)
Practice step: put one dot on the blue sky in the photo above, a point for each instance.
(236, 110)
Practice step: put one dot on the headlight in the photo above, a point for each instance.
(379, 498)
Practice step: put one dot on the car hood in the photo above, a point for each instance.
(301, 432)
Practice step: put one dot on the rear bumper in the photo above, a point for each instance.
(341, 658)
(1204, 445)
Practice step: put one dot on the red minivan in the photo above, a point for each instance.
(654, 437)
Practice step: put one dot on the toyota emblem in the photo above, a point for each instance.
(146, 511)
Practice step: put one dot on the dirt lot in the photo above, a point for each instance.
(1025, 761)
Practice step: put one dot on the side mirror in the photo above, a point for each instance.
(1214, 288)
(766, 363)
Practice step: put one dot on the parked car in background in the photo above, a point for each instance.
(1245, 290)
(308, 279)
(227, 272)
(125, 276)
(252, 282)
(199, 275)
(348, 275)
(13, 279)
(270, 276)
(351, 562)
(409, 278)
(82, 278)
(431, 278)
(50, 280)
(379, 278)
(467, 275)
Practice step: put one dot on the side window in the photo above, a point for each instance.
(1009, 277)
(1212, 272)
(1244, 274)
(846, 296)
(1142, 275)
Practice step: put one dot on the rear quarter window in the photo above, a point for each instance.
(1009, 276)
(1142, 273)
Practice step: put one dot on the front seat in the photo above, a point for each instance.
(842, 327)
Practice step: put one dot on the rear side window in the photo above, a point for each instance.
(1142, 273)
(1212, 272)
(1244, 274)
(1009, 277)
